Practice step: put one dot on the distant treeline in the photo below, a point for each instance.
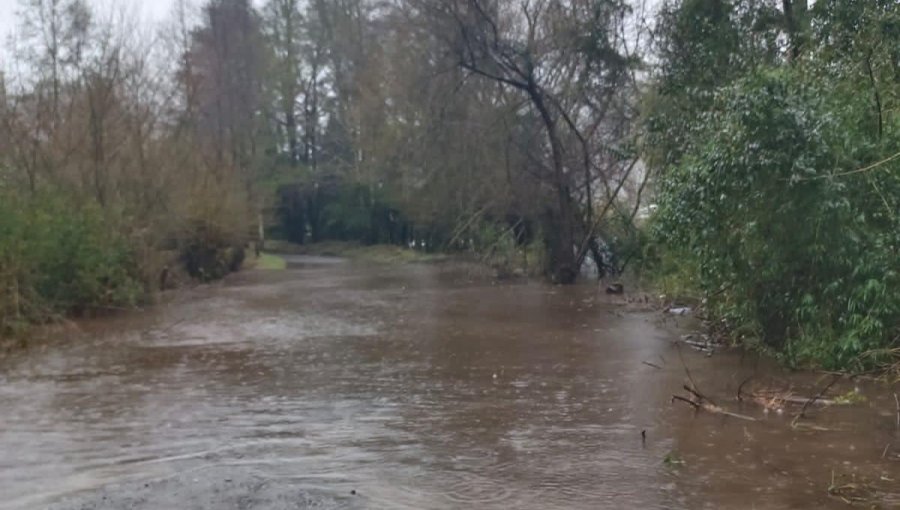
(525, 132)
(132, 157)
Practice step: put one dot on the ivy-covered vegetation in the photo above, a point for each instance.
(779, 172)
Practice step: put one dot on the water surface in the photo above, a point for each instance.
(417, 387)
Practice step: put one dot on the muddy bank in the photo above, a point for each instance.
(420, 386)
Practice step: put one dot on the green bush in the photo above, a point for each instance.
(58, 256)
(797, 249)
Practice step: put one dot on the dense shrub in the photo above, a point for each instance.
(209, 252)
(58, 256)
(799, 249)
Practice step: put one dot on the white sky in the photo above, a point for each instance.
(147, 10)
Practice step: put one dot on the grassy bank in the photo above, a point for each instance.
(269, 262)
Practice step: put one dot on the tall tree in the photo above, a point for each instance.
(565, 59)
(283, 25)
(227, 59)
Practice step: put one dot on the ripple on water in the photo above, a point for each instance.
(415, 392)
(282, 327)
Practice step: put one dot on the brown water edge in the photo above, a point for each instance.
(419, 387)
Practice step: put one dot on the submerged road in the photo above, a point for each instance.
(337, 384)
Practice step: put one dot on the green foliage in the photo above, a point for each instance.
(672, 459)
(270, 262)
(850, 397)
(349, 215)
(780, 186)
(673, 272)
(703, 45)
(358, 212)
(58, 256)
(496, 245)
(803, 256)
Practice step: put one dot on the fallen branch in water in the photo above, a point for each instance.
(704, 403)
(817, 428)
(686, 401)
(897, 402)
(803, 400)
(741, 387)
(686, 369)
(652, 365)
(854, 492)
(711, 408)
(700, 397)
(706, 346)
(777, 400)
(718, 410)
(818, 396)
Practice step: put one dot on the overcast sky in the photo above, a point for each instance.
(148, 10)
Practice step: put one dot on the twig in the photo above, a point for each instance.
(741, 387)
(857, 171)
(701, 397)
(686, 370)
(686, 400)
(885, 452)
(654, 365)
(694, 389)
(810, 401)
(897, 402)
(460, 230)
(712, 409)
(733, 415)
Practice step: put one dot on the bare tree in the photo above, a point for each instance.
(566, 59)
(226, 60)
(282, 24)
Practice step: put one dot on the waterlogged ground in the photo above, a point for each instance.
(343, 385)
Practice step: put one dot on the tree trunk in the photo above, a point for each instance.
(796, 25)
(290, 124)
(564, 266)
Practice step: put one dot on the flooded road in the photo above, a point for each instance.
(340, 385)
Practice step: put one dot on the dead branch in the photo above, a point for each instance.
(686, 370)
(712, 409)
(654, 365)
(741, 387)
(810, 401)
(687, 401)
(790, 399)
(897, 403)
(700, 397)
(719, 410)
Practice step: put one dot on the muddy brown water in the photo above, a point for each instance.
(417, 387)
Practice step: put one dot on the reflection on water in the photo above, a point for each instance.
(421, 388)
